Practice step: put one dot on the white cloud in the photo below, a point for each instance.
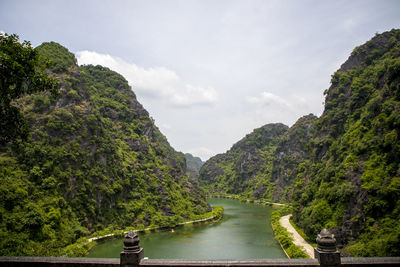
(157, 82)
(267, 99)
(195, 95)
(350, 23)
(268, 107)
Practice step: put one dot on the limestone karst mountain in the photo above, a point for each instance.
(341, 171)
(263, 165)
(350, 181)
(95, 159)
(246, 168)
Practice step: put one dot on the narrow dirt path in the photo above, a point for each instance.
(297, 239)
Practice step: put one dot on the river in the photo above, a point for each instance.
(244, 233)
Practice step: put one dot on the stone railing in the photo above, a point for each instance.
(326, 254)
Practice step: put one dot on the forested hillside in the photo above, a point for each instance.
(94, 159)
(247, 167)
(351, 180)
(263, 165)
(340, 171)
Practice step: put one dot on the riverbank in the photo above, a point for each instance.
(83, 245)
(298, 240)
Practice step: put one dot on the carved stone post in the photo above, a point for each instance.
(133, 253)
(326, 251)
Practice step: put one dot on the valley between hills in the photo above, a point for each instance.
(93, 160)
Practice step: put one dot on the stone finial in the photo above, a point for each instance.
(326, 241)
(326, 251)
(131, 242)
(133, 253)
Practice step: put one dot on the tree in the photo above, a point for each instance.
(22, 72)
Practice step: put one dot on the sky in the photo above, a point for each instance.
(210, 71)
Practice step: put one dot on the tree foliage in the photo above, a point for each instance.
(263, 165)
(246, 168)
(350, 183)
(21, 73)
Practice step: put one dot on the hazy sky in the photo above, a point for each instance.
(209, 72)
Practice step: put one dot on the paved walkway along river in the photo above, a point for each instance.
(298, 240)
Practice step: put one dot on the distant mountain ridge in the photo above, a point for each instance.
(193, 165)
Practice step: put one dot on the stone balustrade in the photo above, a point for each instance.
(326, 254)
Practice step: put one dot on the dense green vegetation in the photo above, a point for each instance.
(94, 159)
(61, 59)
(244, 168)
(21, 72)
(351, 181)
(341, 171)
(263, 165)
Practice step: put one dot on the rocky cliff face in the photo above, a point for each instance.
(95, 159)
(289, 154)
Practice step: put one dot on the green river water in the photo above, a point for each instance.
(244, 233)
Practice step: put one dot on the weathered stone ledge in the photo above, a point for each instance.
(93, 262)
